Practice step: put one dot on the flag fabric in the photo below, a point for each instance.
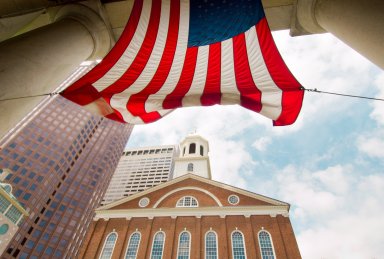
(179, 53)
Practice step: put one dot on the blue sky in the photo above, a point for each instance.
(328, 165)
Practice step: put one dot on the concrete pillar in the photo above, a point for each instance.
(38, 61)
(360, 24)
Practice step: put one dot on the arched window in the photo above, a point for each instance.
(183, 151)
(184, 245)
(190, 167)
(158, 245)
(211, 245)
(201, 151)
(238, 249)
(109, 244)
(133, 245)
(266, 247)
(192, 148)
(187, 201)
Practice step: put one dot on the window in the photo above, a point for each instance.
(211, 245)
(13, 214)
(192, 148)
(187, 201)
(201, 151)
(4, 204)
(233, 199)
(238, 249)
(190, 167)
(266, 248)
(133, 246)
(144, 202)
(109, 244)
(157, 246)
(184, 244)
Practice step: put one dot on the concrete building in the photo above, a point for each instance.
(140, 169)
(11, 213)
(62, 159)
(44, 41)
(192, 216)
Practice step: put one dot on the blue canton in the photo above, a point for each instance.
(217, 20)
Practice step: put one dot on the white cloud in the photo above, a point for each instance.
(228, 160)
(341, 210)
(372, 146)
(261, 143)
(378, 106)
(354, 230)
(325, 63)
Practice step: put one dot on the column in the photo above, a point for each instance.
(38, 61)
(360, 24)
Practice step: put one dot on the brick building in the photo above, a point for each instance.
(192, 216)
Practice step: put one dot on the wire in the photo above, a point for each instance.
(347, 95)
(30, 96)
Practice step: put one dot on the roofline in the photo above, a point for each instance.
(150, 147)
(198, 178)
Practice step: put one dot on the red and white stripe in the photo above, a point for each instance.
(151, 71)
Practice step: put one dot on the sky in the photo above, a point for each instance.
(328, 165)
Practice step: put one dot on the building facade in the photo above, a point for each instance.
(61, 160)
(140, 169)
(192, 216)
(11, 213)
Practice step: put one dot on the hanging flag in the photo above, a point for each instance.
(179, 53)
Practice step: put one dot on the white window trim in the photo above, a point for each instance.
(153, 242)
(138, 246)
(192, 197)
(238, 199)
(142, 199)
(205, 243)
(188, 188)
(245, 249)
(189, 245)
(270, 236)
(105, 242)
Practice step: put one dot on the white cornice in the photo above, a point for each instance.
(196, 212)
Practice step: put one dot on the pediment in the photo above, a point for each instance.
(209, 194)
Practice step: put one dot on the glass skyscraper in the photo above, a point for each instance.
(62, 160)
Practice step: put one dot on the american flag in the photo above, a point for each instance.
(179, 53)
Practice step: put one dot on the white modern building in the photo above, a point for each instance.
(140, 169)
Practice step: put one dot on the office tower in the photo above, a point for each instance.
(62, 159)
(192, 216)
(140, 169)
(11, 213)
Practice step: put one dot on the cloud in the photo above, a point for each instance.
(373, 147)
(378, 106)
(228, 160)
(261, 143)
(339, 211)
(325, 63)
